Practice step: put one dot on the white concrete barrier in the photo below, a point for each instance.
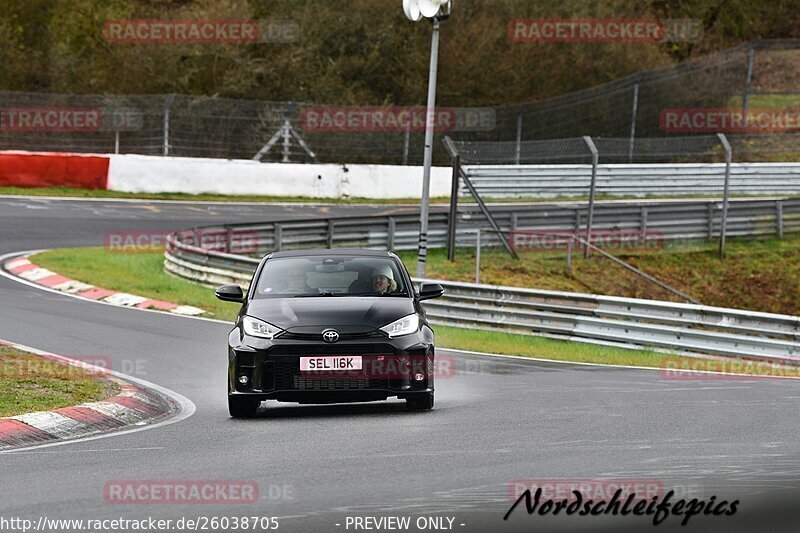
(154, 174)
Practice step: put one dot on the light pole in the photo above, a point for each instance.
(436, 10)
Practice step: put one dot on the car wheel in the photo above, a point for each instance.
(422, 402)
(242, 407)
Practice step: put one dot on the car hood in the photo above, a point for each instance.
(348, 314)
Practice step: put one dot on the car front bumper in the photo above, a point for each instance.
(392, 368)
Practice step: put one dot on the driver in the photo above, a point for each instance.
(383, 280)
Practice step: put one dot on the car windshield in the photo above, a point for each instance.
(325, 275)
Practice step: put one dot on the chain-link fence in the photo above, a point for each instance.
(619, 115)
(666, 167)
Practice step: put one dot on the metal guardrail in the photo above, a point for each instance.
(584, 317)
(673, 180)
(655, 220)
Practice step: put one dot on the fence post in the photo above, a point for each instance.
(751, 55)
(287, 140)
(406, 142)
(595, 159)
(390, 230)
(723, 227)
(478, 256)
(278, 237)
(167, 105)
(779, 218)
(116, 141)
(569, 256)
(519, 136)
(633, 120)
(330, 234)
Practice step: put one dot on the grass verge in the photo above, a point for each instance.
(30, 383)
(136, 273)
(143, 274)
(69, 192)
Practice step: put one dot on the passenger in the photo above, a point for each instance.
(383, 280)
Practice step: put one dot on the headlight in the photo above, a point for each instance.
(259, 328)
(404, 326)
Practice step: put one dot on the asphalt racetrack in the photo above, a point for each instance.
(497, 420)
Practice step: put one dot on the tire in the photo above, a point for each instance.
(421, 402)
(242, 407)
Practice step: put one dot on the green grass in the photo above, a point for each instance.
(767, 101)
(30, 383)
(136, 273)
(143, 274)
(68, 192)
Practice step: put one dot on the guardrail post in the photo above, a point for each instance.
(228, 239)
(330, 234)
(391, 227)
(724, 225)
(514, 220)
(593, 185)
(277, 237)
(643, 223)
(478, 256)
(710, 218)
(453, 220)
(779, 218)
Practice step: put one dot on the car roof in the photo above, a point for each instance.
(366, 252)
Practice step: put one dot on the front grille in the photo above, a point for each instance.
(284, 374)
(312, 383)
(331, 349)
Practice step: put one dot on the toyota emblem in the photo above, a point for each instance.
(330, 335)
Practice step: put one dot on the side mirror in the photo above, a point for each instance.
(430, 290)
(230, 293)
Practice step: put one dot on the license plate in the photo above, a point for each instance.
(330, 362)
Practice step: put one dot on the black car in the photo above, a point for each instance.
(330, 326)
